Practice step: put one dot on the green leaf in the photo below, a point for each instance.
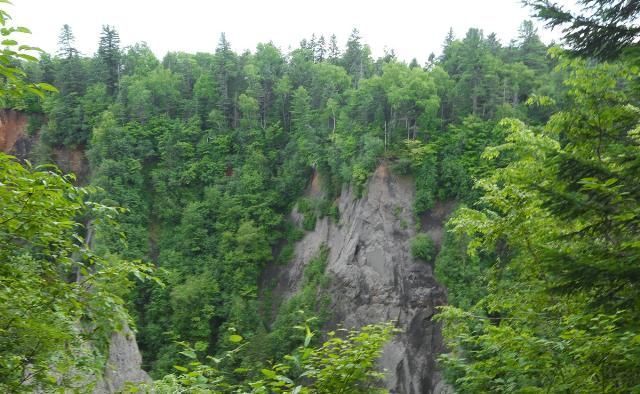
(308, 337)
(189, 353)
(47, 87)
(269, 373)
(235, 338)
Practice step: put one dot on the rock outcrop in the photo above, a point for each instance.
(123, 365)
(16, 141)
(374, 278)
(13, 136)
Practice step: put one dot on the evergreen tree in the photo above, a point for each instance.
(321, 50)
(531, 50)
(356, 57)
(225, 70)
(313, 45)
(601, 28)
(109, 58)
(66, 124)
(66, 43)
(493, 44)
(334, 51)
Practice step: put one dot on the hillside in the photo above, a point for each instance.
(319, 220)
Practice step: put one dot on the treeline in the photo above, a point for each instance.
(208, 153)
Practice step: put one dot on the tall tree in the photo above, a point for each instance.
(225, 70)
(334, 50)
(531, 50)
(70, 76)
(66, 124)
(356, 57)
(109, 58)
(66, 43)
(321, 50)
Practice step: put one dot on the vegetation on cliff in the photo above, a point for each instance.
(207, 154)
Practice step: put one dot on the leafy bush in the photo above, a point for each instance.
(309, 210)
(343, 364)
(402, 166)
(50, 281)
(463, 275)
(423, 248)
(309, 221)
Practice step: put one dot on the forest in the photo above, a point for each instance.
(194, 163)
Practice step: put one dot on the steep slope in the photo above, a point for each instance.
(374, 278)
(16, 141)
(13, 136)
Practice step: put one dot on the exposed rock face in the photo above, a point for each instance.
(123, 364)
(374, 278)
(15, 140)
(13, 136)
(72, 160)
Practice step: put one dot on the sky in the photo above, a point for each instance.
(413, 28)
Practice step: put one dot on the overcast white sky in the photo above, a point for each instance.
(414, 28)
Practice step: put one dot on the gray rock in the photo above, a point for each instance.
(123, 364)
(374, 278)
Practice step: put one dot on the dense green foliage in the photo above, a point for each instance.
(462, 274)
(343, 364)
(560, 306)
(208, 153)
(310, 299)
(44, 333)
(56, 295)
(423, 248)
(553, 238)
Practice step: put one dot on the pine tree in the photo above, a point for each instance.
(66, 43)
(450, 38)
(602, 29)
(321, 49)
(493, 44)
(353, 59)
(334, 51)
(313, 45)
(225, 69)
(446, 45)
(109, 57)
(532, 51)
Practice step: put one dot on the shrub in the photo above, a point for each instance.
(423, 248)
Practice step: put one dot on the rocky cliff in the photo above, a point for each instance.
(13, 136)
(16, 141)
(123, 364)
(374, 278)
